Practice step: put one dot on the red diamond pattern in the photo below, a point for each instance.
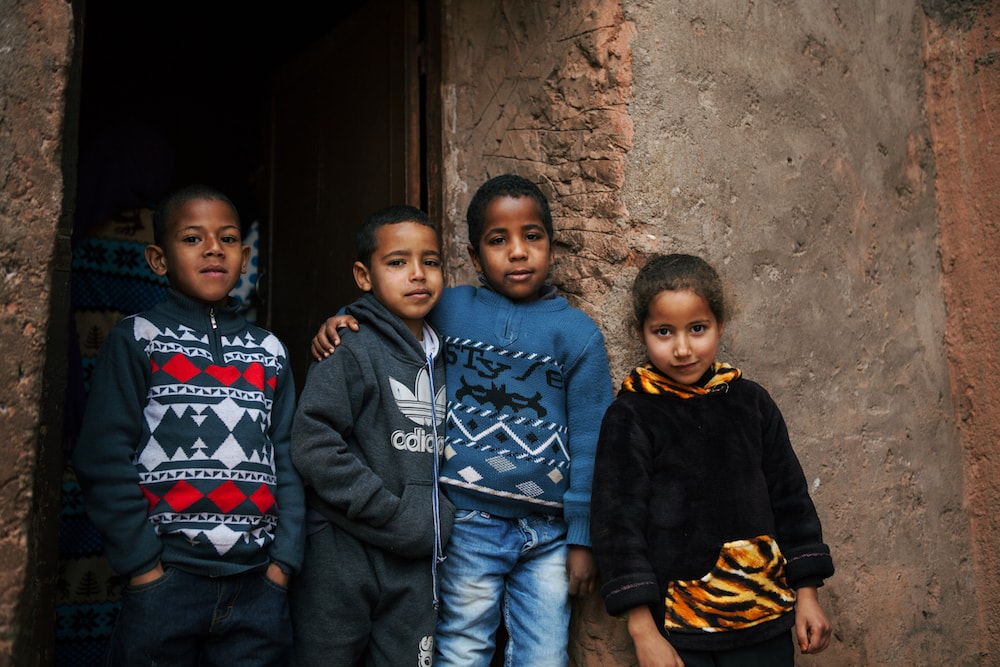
(151, 498)
(227, 375)
(255, 375)
(180, 368)
(181, 496)
(227, 496)
(262, 498)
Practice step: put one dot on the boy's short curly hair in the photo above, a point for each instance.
(677, 272)
(505, 185)
(366, 241)
(168, 207)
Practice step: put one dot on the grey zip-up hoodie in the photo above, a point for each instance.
(363, 438)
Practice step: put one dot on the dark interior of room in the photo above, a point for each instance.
(198, 73)
(305, 114)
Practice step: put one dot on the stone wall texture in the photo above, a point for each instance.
(35, 39)
(962, 72)
(798, 146)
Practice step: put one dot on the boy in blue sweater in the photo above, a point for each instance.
(528, 382)
(184, 457)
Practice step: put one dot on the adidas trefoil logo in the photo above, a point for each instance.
(418, 406)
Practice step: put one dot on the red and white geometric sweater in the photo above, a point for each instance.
(183, 456)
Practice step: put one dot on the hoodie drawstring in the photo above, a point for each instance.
(435, 490)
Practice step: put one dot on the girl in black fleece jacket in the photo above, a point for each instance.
(702, 525)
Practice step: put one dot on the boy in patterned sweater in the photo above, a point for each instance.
(184, 457)
(528, 382)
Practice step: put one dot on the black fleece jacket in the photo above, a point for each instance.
(676, 479)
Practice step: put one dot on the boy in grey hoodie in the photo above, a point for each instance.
(366, 442)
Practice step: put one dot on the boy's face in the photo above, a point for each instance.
(514, 252)
(202, 253)
(405, 273)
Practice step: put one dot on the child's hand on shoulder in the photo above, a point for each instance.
(326, 340)
(582, 571)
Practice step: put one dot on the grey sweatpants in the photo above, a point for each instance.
(354, 604)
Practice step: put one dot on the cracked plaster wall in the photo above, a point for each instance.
(789, 142)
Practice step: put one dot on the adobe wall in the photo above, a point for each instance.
(789, 143)
(35, 39)
(961, 47)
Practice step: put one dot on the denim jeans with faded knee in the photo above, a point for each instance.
(510, 569)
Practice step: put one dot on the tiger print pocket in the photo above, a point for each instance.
(746, 587)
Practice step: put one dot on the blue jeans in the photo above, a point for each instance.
(516, 567)
(192, 620)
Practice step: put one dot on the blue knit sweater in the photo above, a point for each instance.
(184, 452)
(527, 385)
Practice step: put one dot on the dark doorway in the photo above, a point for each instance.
(345, 121)
(308, 115)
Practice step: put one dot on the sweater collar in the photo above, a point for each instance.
(373, 314)
(647, 380)
(545, 293)
(195, 313)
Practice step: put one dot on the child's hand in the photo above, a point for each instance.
(811, 625)
(148, 576)
(651, 648)
(656, 651)
(582, 570)
(327, 339)
(276, 575)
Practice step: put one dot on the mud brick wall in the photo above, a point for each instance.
(791, 144)
(35, 49)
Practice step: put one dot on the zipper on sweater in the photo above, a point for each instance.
(438, 555)
(215, 337)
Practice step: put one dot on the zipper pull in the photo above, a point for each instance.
(211, 315)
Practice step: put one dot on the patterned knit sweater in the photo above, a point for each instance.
(184, 452)
(527, 386)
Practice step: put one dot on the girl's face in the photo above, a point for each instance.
(681, 335)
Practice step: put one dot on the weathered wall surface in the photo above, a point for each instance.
(962, 68)
(803, 169)
(34, 59)
(541, 89)
(788, 142)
